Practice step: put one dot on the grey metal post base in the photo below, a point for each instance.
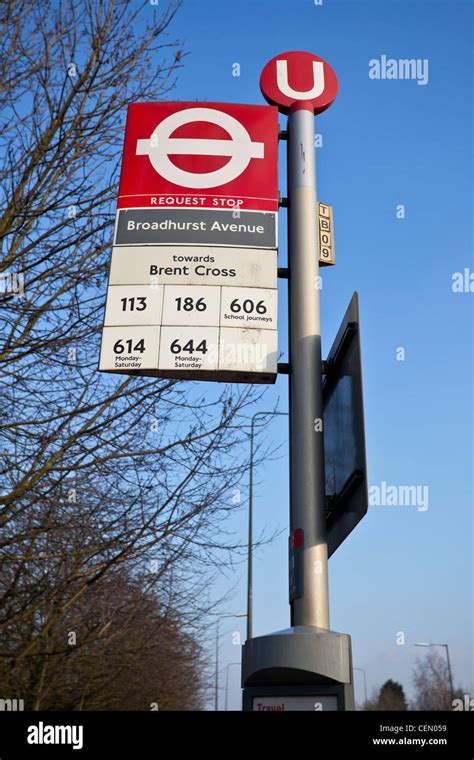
(300, 668)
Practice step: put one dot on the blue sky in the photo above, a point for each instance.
(385, 143)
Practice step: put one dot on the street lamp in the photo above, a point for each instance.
(250, 537)
(365, 681)
(430, 644)
(227, 681)
(222, 617)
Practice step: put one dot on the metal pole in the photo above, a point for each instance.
(227, 681)
(250, 539)
(450, 674)
(216, 695)
(307, 502)
(222, 617)
(250, 531)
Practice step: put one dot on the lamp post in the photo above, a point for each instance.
(365, 681)
(250, 536)
(229, 664)
(222, 617)
(450, 674)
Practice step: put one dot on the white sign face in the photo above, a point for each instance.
(128, 349)
(248, 350)
(190, 330)
(189, 334)
(298, 703)
(133, 305)
(249, 307)
(180, 265)
(191, 305)
(189, 348)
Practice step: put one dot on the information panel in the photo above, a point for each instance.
(164, 265)
(193, 277)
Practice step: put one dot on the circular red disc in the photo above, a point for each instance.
(296, 76)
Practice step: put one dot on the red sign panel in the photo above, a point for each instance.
(299, 78)
(200, 155)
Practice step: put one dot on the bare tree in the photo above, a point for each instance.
(118, 648)
(100, 474)
(432, 684)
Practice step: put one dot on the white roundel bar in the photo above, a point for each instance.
(159, 146)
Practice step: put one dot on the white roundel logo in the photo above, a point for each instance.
(160, 146)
